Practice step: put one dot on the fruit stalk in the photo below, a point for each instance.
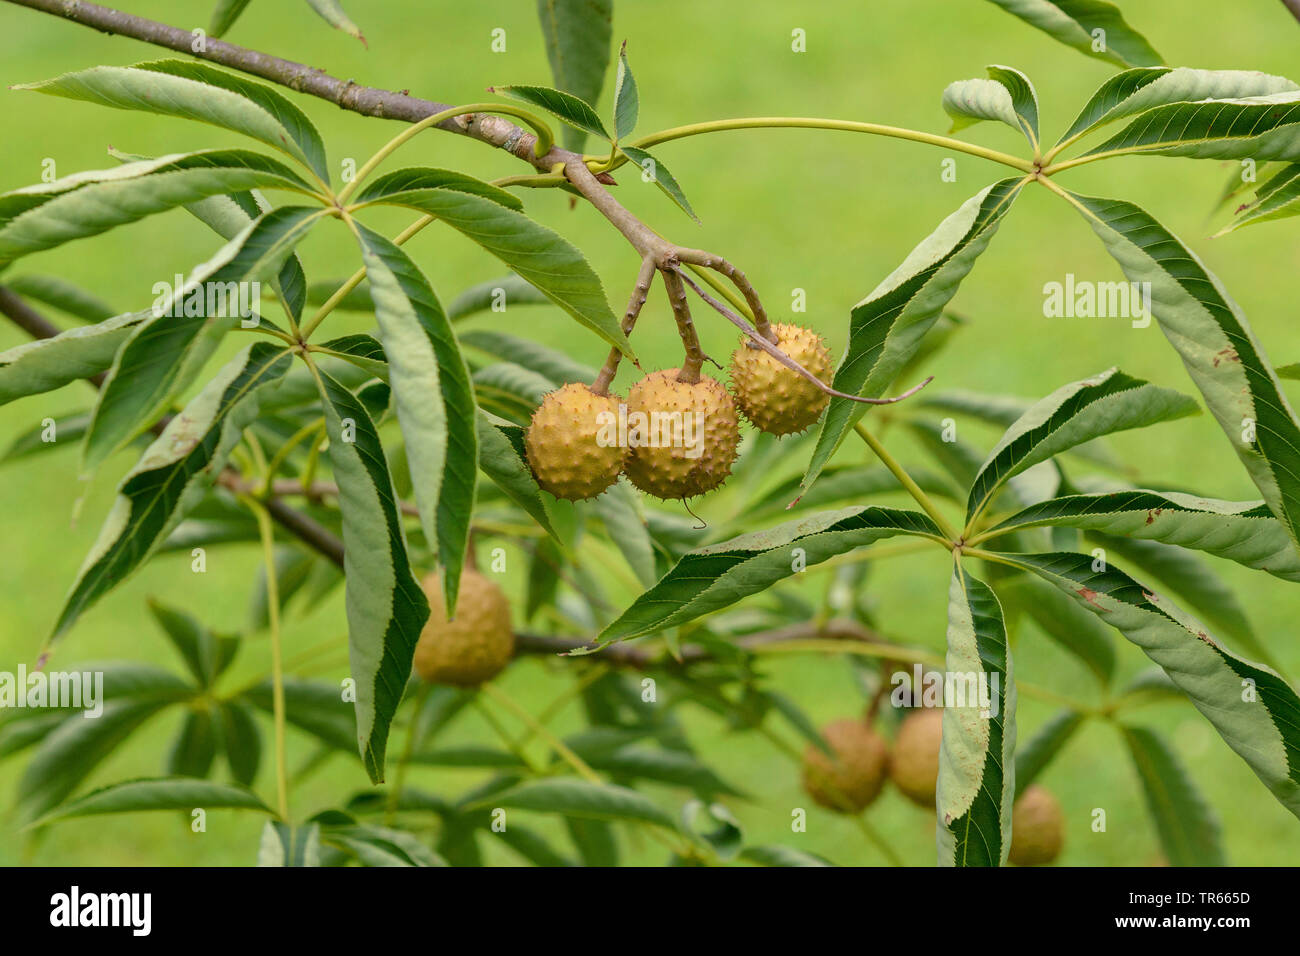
(640, 292)
(694, 360)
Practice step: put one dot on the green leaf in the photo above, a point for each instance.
(532, 846)
(1217, 346)
(1071, 415)
(358, 300)
(385, 605)
(976, 763)
(656, 172)
(68, 754)
(1187, 824)
(716, 576)
(541, 256)
(224, 15)
(594, 840)
(497, 295)
(780, 856)
(435, 400)
(626, 104)
(241, 740)
(1060, 619)
(1251, 707)
(577, 35)
(205, 654)
(887, 327)
(661, 766)
(620, 511)
(62, 295)
(1241, 531)
(166, 352)
(1135, 91)
(1007, 96)
(197, 91)
(578, 798)
(331, 11)
(49, 214)
(1093, 27)
(1196, 585)
(839, 484)
(194, 748)
(393, 188)
(571, 109)
(1039, 750)
(381, 846)
(68, 431)
(81, 352)
(502, 461)
(159, 793)
(285, 845)
(1278, 198)
(1257, 127)
(173, 474)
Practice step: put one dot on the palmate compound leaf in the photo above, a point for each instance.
(390, 186)
(1188, 826)
(1217, 345)
(166, 351)
(173, 474)
(887, 327)
(386, 607)
(1007, 96)
(1093, 27)
(542, 257)
(1073, 414)
(1136, 91)
(47, 215)
(977, 759)
(1253, 709)
(721, 574)
(434, 397)
(198, 91)
(577, 35)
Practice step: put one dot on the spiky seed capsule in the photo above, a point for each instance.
(778, 399)
(689, 437)
(854, 778)
(473, 647)
(568, 443)
(914, 762)
(1037, 828)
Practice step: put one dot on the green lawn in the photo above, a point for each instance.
(827, 213)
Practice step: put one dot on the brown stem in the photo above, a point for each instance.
(1293, 6)
(641, 236)
(694, 360)
(640, 292)
(710, 261)
(366, 100)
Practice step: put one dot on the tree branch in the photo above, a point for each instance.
(366, 100)
(1293, 6)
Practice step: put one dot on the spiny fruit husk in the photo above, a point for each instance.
(473, 647)
(670, 471)
(851, 781)
(775, 398)
(1037, 828)
(564, 443)
(914, 762)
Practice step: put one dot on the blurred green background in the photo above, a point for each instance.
(829, 213)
